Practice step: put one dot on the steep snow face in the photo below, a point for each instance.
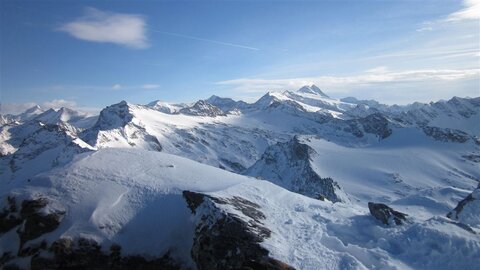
(12, 135)
(66, 115)
(7, 119)
(133, 198)
(312, 90)
(118, 127)
(288, 165)
(45, 148)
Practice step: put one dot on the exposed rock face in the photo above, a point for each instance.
(446, 134)
(227, 104)
(288, 165)
(225, 240)
(87, 254)
(203, 108)
(386, 215)
(37, 223)
(468, 209)
(376, 124)
(34, 220)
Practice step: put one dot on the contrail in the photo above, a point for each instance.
(206, 40)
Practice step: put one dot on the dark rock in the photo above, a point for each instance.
(458, 209)
(471, 201)
(288, 165)
(6, 257)
(233, 166)
(9, 218)
(194, 199)
(224, 240)
(37, 223)
(87, 254)
(203, 108)
(386, 214)
(376, 124)
(446, 134)
(11, 267)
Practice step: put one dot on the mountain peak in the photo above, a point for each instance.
(34, 109)
(312, 89)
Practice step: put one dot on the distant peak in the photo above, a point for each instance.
(33, 109)
(312, 89)
(213, 97)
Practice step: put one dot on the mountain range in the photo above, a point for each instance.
(295, 180)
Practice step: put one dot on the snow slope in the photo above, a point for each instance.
(133, 198)
(407, 170)
(130, 167)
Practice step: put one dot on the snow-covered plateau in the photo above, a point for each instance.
(296, 180)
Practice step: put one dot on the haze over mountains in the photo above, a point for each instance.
(286, 181)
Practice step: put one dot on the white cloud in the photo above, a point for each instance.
(15, 108)
(99, 26)
(150, 86)
(58, 103)
(471, 11)
(423, 29)
(345, 84)
(116, 86)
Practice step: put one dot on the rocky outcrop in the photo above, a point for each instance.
(468, 210)
(87, 254)
(226, 240)
(376, 124)
(33, 220)
(386, 215)
(202, 108)
(289, 166)
(446, 134)
(227, 104)
(36, 217)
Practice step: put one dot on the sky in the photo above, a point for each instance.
(90, 54)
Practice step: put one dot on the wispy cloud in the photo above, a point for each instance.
(150, 86)
(58, 103)
(109, 27)
(115, 87)
(471, 11)
(339, 84)
(206, 40)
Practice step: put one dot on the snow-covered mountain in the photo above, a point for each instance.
(296, 179)
(66, 115)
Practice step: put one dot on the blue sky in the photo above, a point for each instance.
(89, 54)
